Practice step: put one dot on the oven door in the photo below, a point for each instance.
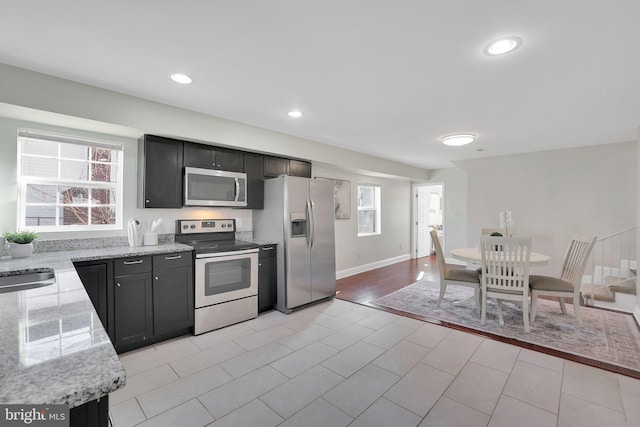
(226, 276)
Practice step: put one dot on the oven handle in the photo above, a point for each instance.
(221, 254)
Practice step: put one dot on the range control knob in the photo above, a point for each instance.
(193, 226)
(185, 226)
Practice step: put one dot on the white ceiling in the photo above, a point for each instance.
(387, 78)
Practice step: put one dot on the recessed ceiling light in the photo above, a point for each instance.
(502, 46)
(295, 114)
(458, 139)
(181, 78)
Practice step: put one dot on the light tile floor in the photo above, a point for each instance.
(338, 364)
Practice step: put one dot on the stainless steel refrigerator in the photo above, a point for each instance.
(298, 214)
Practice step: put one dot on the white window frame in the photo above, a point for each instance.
(25, 180)
(376, 207)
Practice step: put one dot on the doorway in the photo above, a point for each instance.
(428, 213)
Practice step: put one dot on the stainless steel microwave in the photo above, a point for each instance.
(208, 187)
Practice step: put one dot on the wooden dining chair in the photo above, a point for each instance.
(570, 280)
(454, 276)
(505, 274)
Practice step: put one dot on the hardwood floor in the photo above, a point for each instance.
(368, 286)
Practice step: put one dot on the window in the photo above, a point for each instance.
(67, 183)
(368, 210)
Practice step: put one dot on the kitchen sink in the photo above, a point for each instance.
(27, 280)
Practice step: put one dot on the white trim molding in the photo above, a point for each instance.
(371, 266)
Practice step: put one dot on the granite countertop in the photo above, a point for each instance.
(53, 347)
(261, 242)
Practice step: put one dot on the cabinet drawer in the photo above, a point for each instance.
(172, 260)
(131, 265)
(267, 251)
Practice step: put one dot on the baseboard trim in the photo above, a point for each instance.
(341, 274)
(636, 314)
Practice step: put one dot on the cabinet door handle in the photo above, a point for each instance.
(139, 261)
(118, 284)
(259, 264)
(173, 257)
(156, 277)
(269, 248)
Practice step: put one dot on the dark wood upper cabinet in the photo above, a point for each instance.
(254, 168)
(199, 156)
(159, 172)
(275, 166)
(210, 157)
(229, 160)
(299, 168)
(161, 161)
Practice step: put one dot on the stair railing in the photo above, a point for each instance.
(612, 263)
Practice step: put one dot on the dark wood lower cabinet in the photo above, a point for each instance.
(154, 305)
(141, 300)
(95, 277)
(91, 414)
(172, 302)
(267, 278)
(133, 311)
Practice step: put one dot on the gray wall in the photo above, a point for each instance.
(394, 241)
(38, 101)
(8, 186)
(552, 194)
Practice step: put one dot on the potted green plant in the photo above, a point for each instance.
(20, 243)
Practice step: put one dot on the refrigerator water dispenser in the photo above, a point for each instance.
(298, 224)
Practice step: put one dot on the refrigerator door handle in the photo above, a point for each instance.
(311, 222)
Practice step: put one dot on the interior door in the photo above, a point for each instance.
(428, 213)
(423, 241)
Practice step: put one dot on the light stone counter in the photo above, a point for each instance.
(53, 347)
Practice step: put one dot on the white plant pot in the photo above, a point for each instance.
(20, 250)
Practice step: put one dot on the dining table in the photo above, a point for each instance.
(472, 256)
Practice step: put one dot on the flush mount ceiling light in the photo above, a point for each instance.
(458, 139)
(295, 114)
(502, 46)
(181, 78)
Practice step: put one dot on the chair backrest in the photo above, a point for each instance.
(576, 258)
(505, 263)
(442, 265)
(488, 231)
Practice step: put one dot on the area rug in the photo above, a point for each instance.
(607, 337)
